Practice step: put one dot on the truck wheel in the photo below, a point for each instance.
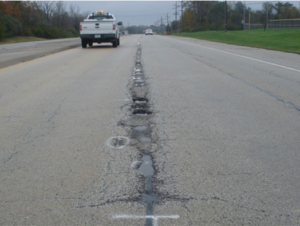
(115, 43)
(83, 43)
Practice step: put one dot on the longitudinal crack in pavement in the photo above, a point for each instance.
(141, 130)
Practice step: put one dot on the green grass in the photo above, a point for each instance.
(287, 40)
(21, 39)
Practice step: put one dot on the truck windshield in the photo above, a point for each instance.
(100, 16)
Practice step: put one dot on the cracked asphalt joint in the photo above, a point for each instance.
(140, 132)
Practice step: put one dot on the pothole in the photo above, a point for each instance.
(140, 106)
(139, 80)
(141, 133)
(140, 100)
(139, 75)
(141, 112)
(139, 84)
(146, 168)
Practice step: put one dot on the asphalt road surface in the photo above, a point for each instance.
(158, 131)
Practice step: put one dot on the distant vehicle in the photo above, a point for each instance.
(149, 32)
(100, 27)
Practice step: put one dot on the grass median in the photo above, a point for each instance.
(287, 40)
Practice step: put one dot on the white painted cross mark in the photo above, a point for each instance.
(155, 218)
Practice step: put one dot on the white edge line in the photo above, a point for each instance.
(249, 58)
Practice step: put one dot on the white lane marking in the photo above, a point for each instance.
(127, 140)
(155, 218)
(249, 58)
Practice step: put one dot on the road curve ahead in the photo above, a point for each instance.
(158, 131)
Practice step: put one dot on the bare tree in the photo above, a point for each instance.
(75, 16)
(60, 16)
(48, 8)
(74, 11)
(60, 8)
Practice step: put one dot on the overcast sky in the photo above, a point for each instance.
(142, 12)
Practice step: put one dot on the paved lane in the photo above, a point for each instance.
(229, 132)
(213, 135)
(56, 115)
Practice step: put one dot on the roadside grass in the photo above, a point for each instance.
(287, 40)
(21, 39)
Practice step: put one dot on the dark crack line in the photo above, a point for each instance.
(126, 200)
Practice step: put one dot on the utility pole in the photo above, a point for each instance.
(267, 15)
(157, 25)
(168, 28)
(244, 14)
(161, 20)
(181, 16)
(161, 24)
(249, 19)
(225, 16)
(167, 18)
(176, 13)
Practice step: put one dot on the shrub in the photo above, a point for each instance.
(38, 31)
(27, 31)
(49, 32)
(13, 26)
(2, 31)
(73, 31)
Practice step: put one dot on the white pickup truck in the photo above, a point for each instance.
(100, 27)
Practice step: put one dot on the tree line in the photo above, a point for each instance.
(45, 19)
(210, 15)
(50, 19)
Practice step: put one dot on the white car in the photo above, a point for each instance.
(100, 27)
(149, 32)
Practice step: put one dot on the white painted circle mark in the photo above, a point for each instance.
(120, 142)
